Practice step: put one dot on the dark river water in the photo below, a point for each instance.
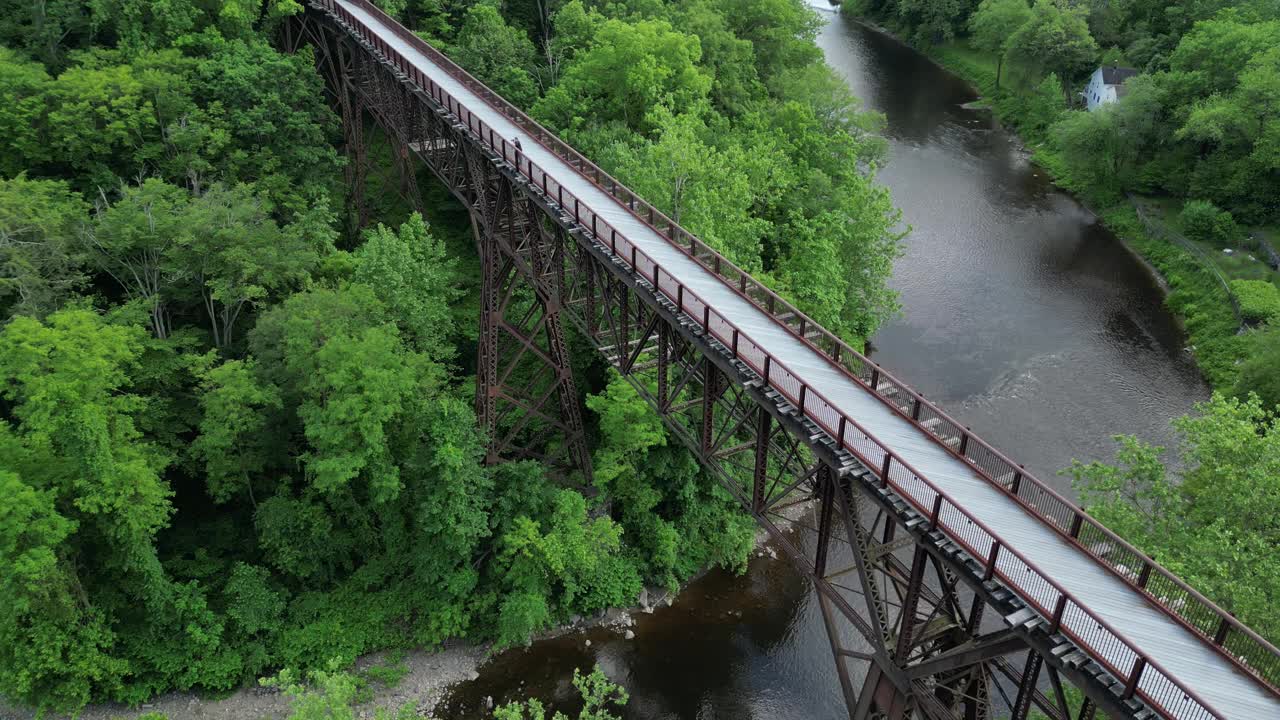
(1021, 315)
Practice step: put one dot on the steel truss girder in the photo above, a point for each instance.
(911, 624)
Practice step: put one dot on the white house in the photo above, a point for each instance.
(1106, 85)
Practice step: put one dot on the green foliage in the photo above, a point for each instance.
(331, 696)
(1259, 301)
(1211, 523)
(631, 70)
(1203, 221)
(1102, 150)
(576, 562)
(1044, 106)
(220, 251)
(1260, 371)
(671, 511)
(599, 698)
(1055, 39)
(81, 479)
(766, 155)
(41, 265)
(389, 672)
(498, 54)
(235, 441)
(22, 108)
(994, 23)
(1195, 294)
(934, 21)
(239, 113)
(411, 273)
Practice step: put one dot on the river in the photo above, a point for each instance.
(1021, 315)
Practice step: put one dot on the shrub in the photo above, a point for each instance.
(1259, 300)
(1260, 371)
(1202, 220)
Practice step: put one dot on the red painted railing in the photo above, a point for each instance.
(1143, 675)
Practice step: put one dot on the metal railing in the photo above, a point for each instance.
(1142, 675)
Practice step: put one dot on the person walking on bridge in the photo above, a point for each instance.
(516, 141)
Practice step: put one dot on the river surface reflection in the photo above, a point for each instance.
(1021, 315)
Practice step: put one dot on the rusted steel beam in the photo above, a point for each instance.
(710, 379)
(906, 624)
(972, 652)
(1027, 688)
(761, 474)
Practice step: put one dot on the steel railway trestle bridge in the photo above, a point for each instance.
(953, 584)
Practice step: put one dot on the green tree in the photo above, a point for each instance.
(73, 445)
(1055, 40)
(142, 25)
(1111, 149)
(498, 54)
(1211, 522)
(237, 257)
(934, 21)
(40, 257)
(411, 272)
(236, 440)
(630, 431)
(707, 189)
(730, 59)
(43, 29)
(133, 241)
(23, 86)
(1096, 149)
(1260, 371)
(333, 355)
(105, 121)
(575, 562)
(1238, 135)
(994, 24)
(1203, 221)
(631, 70)
(1210, 57)
(262, 120)
(781, 33)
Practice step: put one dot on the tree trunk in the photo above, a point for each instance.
(999, 66)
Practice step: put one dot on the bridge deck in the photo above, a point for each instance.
(1183, 654)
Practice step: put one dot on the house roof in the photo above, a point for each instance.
(1116, 75)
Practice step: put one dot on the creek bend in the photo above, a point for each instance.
(1021, 315)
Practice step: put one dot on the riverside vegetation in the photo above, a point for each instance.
(1199, 132)
(236, 431)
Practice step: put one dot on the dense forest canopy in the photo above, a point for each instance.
(236, 431)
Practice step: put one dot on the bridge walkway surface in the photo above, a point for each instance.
(1179, 653)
